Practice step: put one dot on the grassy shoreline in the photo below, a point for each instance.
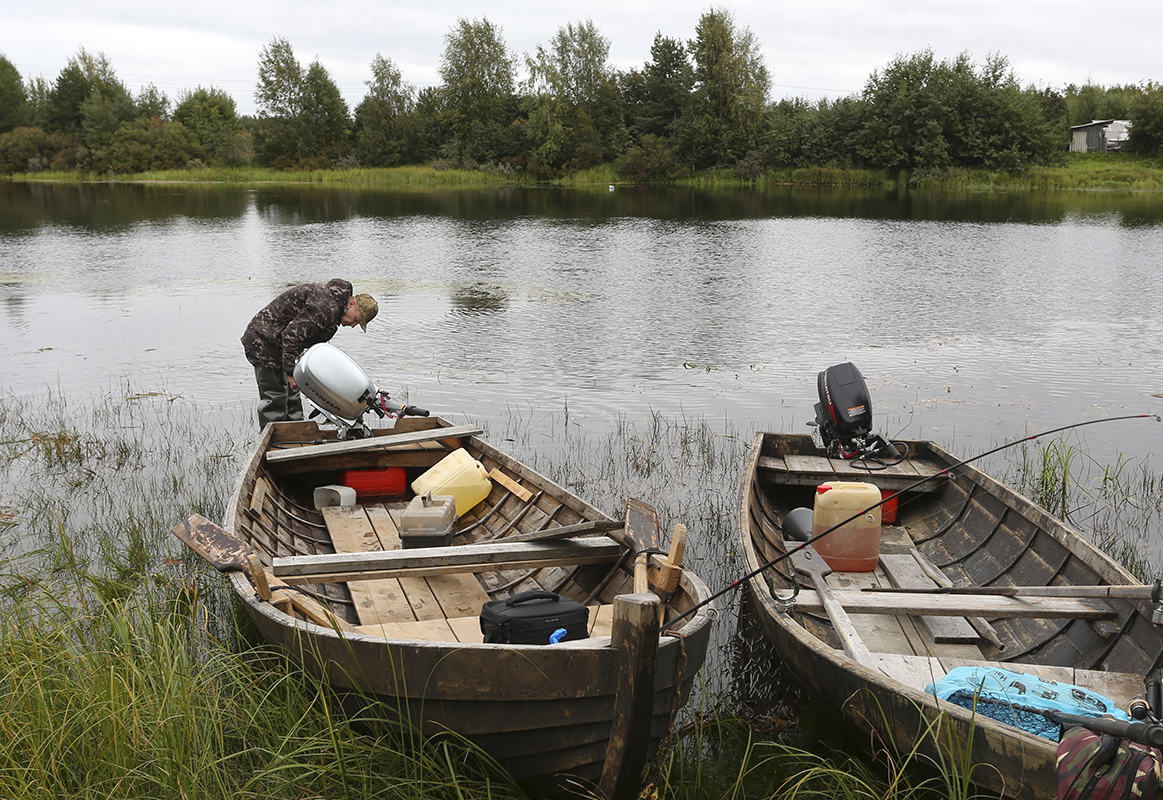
(128, 671)
(1081, 171)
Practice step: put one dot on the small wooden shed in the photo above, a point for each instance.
(1100, 136)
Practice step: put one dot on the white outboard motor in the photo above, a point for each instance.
(342, 392)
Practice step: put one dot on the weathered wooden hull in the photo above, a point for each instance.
(979, 533)
(546, 713)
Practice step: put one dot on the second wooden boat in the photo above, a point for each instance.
(1080, 618)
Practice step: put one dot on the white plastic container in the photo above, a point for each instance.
(428, 521)
(457, 474)
(855, 547)
(333, 495)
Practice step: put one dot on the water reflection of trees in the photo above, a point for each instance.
(111, 206)
(107, 206)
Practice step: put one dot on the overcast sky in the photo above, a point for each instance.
(826, 48)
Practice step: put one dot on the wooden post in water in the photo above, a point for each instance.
(635, 636)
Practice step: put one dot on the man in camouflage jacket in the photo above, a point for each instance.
(296, 319)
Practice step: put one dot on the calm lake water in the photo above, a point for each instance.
(975, 318)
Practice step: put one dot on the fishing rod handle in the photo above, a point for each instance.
(1150, 734)
(1154, 692)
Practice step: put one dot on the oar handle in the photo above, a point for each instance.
(641, 576)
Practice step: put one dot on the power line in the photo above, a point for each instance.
(814, 88)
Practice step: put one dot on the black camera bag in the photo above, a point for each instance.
(532, 617)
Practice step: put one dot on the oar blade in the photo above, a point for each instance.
(642, 524)
(222, 550)
(642, 529)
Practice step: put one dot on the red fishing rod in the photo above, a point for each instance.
(758, 570)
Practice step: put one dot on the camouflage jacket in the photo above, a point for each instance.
(1098, 766)
(293, 321)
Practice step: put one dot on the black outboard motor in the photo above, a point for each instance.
(844, 415)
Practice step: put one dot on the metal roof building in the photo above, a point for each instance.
(1101, 135)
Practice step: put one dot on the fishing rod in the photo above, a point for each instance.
(771, 563)
(1148, 733)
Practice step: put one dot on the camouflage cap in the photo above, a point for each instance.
(368, 308)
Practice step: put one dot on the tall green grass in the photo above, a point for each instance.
(423, 177)
(1117, 504)
(120, 699)
(727, 757)
(1089, 171)
(686, 467)
(126, 669)
(1092, 171)
(126, 698)
(599, 176)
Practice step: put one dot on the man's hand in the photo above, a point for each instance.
(291, 382)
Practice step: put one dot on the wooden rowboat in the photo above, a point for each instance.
(335, 590)
(990, 579)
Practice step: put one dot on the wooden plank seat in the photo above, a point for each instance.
(457, 629)
(395, 599)
(455, 595)
(373, 443)
(884, 633)
(905, 573)
(918, 671)
(879, 633)
(428, 561)
(814, 470)
(375, 601)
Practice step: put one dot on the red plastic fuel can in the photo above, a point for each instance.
(386, 483)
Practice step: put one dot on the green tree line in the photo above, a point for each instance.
(697, 104)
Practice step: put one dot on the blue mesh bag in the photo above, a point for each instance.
(1015, 698)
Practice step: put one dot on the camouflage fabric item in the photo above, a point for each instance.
(293, 321)
(1094, 766)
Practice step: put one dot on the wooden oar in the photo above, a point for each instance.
(223, 551)
(1123, 592)
(810, 563)
(642, 529)
(227, 553)
(562, 532)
